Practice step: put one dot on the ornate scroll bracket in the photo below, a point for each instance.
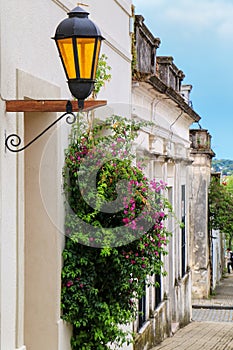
(12, 141)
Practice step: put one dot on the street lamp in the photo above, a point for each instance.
(78, 41)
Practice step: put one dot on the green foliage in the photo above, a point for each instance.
(102, 74)
(108, 254)
(133, 46)
(221, 207)
(228, 181)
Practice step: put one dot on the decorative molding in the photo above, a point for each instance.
(64, 5)
(126, 7)
(109, 41)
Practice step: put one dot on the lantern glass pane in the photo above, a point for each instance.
(67, 54)
(96, 57)
(85, 47)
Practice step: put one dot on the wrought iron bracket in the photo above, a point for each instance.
(12, 141)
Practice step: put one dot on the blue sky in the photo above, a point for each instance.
(198, 34)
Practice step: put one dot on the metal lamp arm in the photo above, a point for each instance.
(14, 140)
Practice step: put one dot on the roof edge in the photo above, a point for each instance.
(170, 92)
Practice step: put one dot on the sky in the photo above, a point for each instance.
(198, 34)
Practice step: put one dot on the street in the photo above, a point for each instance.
(211, 327)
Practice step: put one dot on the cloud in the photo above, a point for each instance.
(225, 30)
(213, 16)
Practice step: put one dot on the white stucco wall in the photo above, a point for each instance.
(27, 28)
(30, 68)
(216, 254)
(113, 18)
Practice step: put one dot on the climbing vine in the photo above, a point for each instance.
(133, 45)
(102, 75)
(115, 232)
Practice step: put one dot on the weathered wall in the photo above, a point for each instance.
(146, 46)
(169, 73)
(160, 324)
(199, 183)
(155, 330)
(167, 147)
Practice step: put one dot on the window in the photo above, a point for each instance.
(183, 233)
(158, 291)
(142, 309)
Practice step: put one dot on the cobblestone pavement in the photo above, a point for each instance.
(212, 323)
(213, 315)
(200, 336)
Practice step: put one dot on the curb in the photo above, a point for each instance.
(213, 307)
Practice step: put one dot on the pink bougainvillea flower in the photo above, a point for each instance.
(133, 225)
(69, 283)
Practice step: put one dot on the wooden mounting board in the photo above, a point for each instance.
(50, 105)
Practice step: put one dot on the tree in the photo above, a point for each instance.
(221, 207)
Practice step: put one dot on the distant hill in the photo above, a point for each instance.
(225, 166)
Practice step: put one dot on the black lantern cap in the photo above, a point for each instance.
(79, 24)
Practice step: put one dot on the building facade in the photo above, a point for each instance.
(158, 96)
(31, 203)
(31, 195)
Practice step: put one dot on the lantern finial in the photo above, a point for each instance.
(81, 4)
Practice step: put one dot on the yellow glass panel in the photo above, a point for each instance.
(67, 54)
(96, 57)
(85, 47)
